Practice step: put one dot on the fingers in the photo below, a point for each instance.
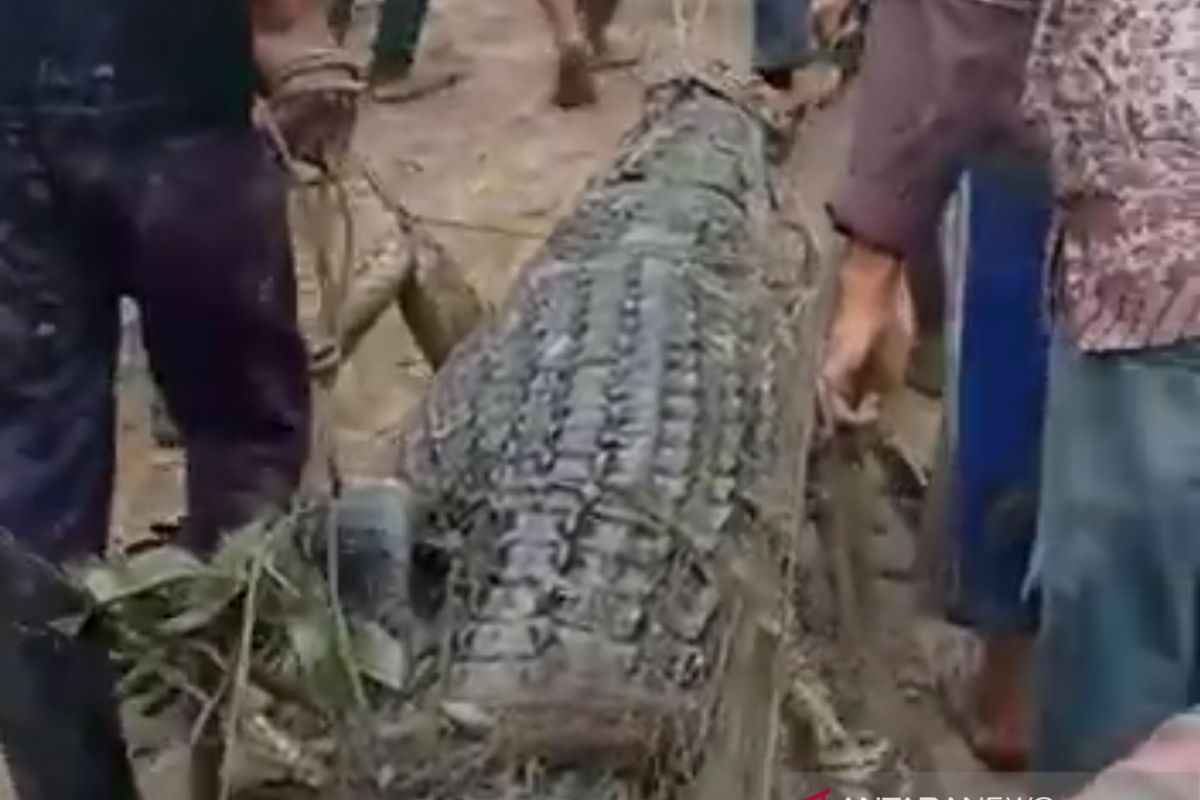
(889, 361)
(870, 338)
(835, 413)
(844, 381)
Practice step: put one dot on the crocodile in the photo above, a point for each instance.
(612, 468)
(593, 547)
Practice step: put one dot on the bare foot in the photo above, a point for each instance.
(983, 690)
(576, 86)
(400, 82)
(414, 85)
(1001, 734)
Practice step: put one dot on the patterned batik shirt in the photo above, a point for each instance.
(1114, 85)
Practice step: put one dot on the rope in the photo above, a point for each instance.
(685, 28)
(323, 202)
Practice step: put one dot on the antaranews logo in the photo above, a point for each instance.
(825, 795)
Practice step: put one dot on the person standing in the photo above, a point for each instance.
(1114, 86)
(580, 31)
(781, 40)
(129, 165)
(392, 75)
(401, 23)
(941, 83)
(994, 407)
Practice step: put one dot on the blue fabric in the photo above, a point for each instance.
(1000, 397)
(1118, 562)
(781, 33)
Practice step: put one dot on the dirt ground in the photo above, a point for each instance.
(492, 167)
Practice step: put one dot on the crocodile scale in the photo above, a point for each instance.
(594, 445)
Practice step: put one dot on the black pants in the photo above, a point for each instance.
(189, 221)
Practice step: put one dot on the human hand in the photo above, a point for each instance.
(312, 86)
(870, 339)
(317, 121)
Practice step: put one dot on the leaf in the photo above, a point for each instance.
(139, 680)
(140, 575)
(312, 640)
(282, 580)
(379, 655)
(154, 677)
(156, 699)
(240, 550)
(314, 643)
(207, 600)
(71, 625)
(468, 717)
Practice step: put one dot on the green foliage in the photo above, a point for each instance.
(255, 627)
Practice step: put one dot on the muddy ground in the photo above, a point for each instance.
(492, 167)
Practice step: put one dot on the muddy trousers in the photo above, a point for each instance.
(1118, 552)
(190, 222)
(192, 226)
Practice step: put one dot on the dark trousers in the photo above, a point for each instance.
(998, 397)
(59, 732)
(781, 34)
(190, 222)
(400, 25)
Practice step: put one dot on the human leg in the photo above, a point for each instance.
(781, 39)
(212, 273)
(999, 396)
(597, 16)
(575, 86)
(59, 730)
(57, 357)
(998, 406)
(58, 725)
(400, 25)
(1117, 560)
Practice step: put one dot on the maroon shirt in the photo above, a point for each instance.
(941, 84)
(1115, 88)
